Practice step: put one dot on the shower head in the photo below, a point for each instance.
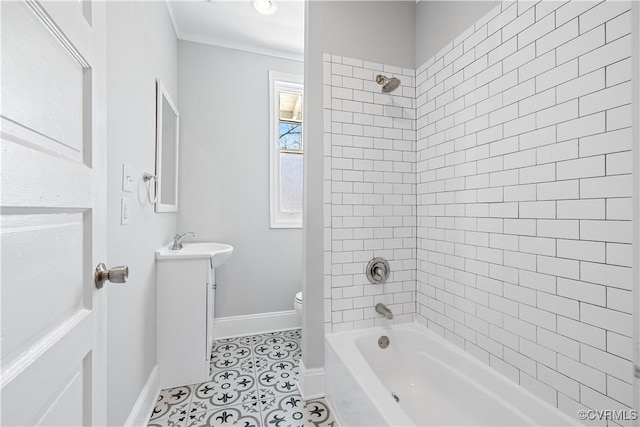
(388, 84)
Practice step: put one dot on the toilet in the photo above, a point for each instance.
(297, 304)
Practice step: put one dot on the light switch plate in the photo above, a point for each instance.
(127, 178)
(124, 211)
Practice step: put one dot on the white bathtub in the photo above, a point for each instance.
(436, 383)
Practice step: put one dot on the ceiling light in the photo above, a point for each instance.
(265, 7)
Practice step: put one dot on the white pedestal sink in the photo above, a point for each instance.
(186, 298)
(218, 252)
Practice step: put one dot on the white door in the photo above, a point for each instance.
(52, 213)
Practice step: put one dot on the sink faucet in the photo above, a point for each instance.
(177, 241)
(384, 310)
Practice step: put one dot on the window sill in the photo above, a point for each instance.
(296, 225)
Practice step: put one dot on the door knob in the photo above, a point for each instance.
(118, 274)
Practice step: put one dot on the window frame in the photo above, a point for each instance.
(291, 83)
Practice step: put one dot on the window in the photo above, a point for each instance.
(286, 150)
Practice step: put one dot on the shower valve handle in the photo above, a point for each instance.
(378, 271)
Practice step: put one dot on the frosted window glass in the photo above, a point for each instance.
(291, 182)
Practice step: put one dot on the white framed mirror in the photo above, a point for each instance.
(167, 143)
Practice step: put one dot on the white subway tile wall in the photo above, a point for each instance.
(524, 198)
(497, 182)
(370, 193)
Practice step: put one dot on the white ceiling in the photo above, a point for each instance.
(236, 24)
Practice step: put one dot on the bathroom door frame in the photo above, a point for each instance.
(53, 212)
(635, 54)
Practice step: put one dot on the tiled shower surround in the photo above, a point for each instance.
(523, 187)
(370, 193)
(524, 198)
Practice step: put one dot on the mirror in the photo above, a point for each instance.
(167, 128)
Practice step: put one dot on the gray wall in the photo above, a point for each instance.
(141, 46)
(224, 175)
(377, 31)
(439, 22)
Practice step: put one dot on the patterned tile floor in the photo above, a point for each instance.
(252, 383)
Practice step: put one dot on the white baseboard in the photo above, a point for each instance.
(235, 326)
(310, 382)
(142, 409)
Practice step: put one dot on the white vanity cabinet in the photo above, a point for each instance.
(186, 297)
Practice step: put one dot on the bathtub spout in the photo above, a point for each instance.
(384, 310)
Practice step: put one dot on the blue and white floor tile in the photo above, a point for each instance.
(252, 383)
(172, 408)
(291, 410)
(227, 417)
